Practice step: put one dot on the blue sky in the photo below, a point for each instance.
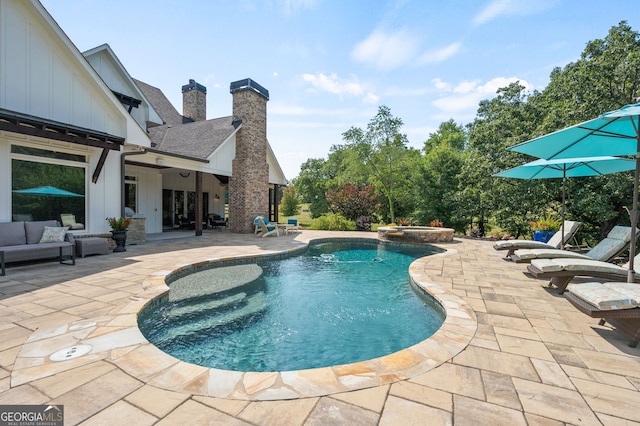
(329, 64)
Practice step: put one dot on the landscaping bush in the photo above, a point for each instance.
(332, 222)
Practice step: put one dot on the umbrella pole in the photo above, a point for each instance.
(564, 180)
(634, 211)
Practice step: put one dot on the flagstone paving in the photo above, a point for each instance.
(512, 351)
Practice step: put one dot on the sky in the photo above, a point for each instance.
(330, 64)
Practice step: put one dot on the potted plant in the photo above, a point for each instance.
(543, 229)
(119, 231)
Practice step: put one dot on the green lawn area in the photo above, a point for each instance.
(304, 217)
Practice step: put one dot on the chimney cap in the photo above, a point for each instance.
(248, 84)
(194, 86)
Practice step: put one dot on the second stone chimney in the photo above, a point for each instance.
(249, 181)
(194, 101)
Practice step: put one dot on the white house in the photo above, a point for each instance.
(80, 123)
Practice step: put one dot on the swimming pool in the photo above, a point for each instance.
(335, 304)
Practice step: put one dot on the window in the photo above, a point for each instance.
(47, 184)
(131, 192)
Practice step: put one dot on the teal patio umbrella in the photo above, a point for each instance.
(614, 133)
(50, 191)
(568, 167)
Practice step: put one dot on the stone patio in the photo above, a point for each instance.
(534, 359)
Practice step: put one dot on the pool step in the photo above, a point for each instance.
(195, 329)
(205, 306)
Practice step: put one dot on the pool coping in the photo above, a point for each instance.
(117, 338)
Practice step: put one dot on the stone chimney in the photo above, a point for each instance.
(249, 181)
(194, 101)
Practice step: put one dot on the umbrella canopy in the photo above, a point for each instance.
(568, 167)
(613, 133)
(50, 191)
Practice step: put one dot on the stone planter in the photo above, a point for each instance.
(120, 237)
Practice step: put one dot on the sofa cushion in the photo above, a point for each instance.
(12, 234)
(53, 234)
(34, 230)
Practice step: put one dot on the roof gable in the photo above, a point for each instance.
(104, 60)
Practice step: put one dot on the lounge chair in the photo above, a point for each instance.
(615, 302)
(570, 229)
(562, 271)
(70, 221)
(606, 250)
(265, 228)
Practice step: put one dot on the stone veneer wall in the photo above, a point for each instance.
(194, 101)
(249, 181)
(136, 233)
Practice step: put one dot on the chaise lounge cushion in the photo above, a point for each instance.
(616, 241)
(12, 234)
(608, 295)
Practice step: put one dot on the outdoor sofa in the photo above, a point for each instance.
(20, 241)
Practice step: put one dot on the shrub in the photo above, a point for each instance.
(404, 222)
(363, 223)
(332, 222)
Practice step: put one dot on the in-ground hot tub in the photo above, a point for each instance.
(415, 234)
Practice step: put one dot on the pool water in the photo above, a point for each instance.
(337, 303)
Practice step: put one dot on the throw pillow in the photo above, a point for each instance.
(54, 234)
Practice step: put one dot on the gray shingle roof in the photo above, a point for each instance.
(161, 104)
(181, 135)
(197, 139)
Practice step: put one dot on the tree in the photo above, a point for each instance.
(312, 183)
(441, 165)
(354, 202)
(501, 122)
(383, 151)
(290, 203)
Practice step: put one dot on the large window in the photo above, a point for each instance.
(48, 185)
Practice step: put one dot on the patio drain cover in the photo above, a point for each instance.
(70, 353)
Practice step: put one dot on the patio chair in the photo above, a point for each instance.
(561, 271)
(606, 250)
(265, 228)
(617, 303)
(570, 229)
(293, 222)
(69, 220)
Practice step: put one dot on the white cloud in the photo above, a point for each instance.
(440, 55)
(441, 85)
(463, 98)
(497, 8)
(290, 7)
(335, 85)
(279, 108)
(371, 98)
(386, 50)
